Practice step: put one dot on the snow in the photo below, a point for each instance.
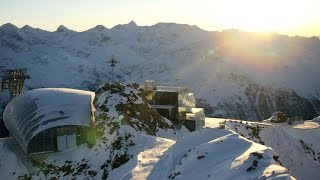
(296, 145)
(214, 154)
(148, 158)
(285, 142)
(308, 125)
(170, 89)
(214, 65)
(11, 166)
(210, 153)
(213, 122)
(172, 54)
(141, 166)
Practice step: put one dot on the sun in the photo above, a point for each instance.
(261, 15)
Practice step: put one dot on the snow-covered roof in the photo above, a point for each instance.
(195, 114)
(196, 110)
(170, 88)
(37, 110)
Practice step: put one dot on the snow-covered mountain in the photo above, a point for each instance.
(234, 74)
(208, 154)
(135, 142)
(296, 144)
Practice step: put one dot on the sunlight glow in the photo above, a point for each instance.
(261, 15)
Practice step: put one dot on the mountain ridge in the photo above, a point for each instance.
(218, 66)
(159, 24)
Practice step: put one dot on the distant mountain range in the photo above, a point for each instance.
(234, 74)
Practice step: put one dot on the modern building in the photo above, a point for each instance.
(195, 119)
(176, 104)
(51, 119)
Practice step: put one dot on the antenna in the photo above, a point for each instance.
(112, 63)
(13, 80)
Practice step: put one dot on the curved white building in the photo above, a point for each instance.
(50, 119)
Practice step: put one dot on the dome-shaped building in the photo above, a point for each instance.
(50, 119)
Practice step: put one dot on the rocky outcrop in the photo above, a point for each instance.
(119, 104)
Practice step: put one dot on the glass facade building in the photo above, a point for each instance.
(175, 103)
(50, 119)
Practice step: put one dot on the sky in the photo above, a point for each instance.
(291, 17)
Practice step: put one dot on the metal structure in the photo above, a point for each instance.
(40, 122)
(13, 80)
(112, 63)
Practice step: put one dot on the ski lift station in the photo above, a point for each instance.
(50, 119)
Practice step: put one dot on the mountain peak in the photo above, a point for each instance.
(62, 28)
(9, 27)
(27, 27)
(132, 23)
(99, 27)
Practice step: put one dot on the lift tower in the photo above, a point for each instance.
(13, 80)
(112, 63)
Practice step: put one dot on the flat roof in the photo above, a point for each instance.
(196, 110)
(190, 116)
(149, 81)
(155, 106)
(170, 88)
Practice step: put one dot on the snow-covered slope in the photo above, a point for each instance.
(135, 142)
(296, 145)
(208, 154)
(235, 74)
(217, 154)
(11, 167)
